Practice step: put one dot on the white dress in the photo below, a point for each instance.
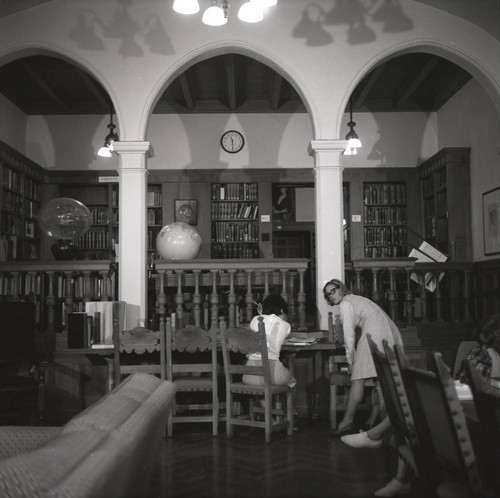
(358, 311)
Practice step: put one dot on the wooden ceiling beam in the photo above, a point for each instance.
(231, 83)
(370, 83)
(276, 85)
(95, 89)
(187, 91)
(44, 85)
(414, 80)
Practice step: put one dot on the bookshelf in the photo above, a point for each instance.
(234, 225)
(102, 201)
(445, 182)
(155, 219)
(384, 216)
(20, 200)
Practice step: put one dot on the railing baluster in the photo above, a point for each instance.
(266, 283)
(197, 298)
(437, 295)
(452, 295)
(466, 295)
(408, 298)
(423, 296)
(249, 295)
(214, 299)
(301, 300)
(375, 288)
(393, 295)
(179, 299)
(231, 300)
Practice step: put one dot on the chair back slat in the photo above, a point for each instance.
(140, 341)
(440, 425)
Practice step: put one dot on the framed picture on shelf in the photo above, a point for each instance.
(186, 211)
(491, 221)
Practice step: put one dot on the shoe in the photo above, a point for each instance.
(393, 488)
(361, 440)
(348, 429)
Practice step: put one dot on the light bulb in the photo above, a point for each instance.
(105, 151)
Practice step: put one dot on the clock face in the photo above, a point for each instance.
(232, 141)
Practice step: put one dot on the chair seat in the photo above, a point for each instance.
(240, 388)
(193, 384)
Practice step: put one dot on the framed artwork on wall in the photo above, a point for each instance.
(491, 221)
(186, 211)
(283, 197)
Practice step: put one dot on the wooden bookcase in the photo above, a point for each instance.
(20, 200)
(235, 227)
(102, 200)
(155, 219)
(446, 212)
(384, 218)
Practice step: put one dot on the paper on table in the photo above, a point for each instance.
(463, 391)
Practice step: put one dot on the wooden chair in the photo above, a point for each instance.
(192, 366)
(137, 350)
(442, 432)
(246, 341)
(341, 380)
(487, 404)
(396, 404)
(462, 351)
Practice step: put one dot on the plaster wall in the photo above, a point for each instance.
(12, 125)
(469, 119)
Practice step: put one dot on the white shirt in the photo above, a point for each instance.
(277, 330)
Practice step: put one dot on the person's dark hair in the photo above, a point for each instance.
(488, 332)
(344, 290)
(274, 304)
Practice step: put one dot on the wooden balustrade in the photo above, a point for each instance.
(57, 287)
(411, 292)
(206, 288)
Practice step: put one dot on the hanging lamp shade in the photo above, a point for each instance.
(107, 149)
(186, 6)
(250, 12)
(214, 16)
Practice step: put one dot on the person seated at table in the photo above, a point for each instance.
(274, 311)
(487, 353)
(361, 312)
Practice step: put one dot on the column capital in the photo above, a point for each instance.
(133, 147)
(326, 146)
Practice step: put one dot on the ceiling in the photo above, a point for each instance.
(231, 83)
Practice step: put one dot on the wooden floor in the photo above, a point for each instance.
(195, 464)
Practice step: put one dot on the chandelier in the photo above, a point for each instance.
(216, 14)
(354, 143)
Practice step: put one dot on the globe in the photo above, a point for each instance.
(178, 241)
(64, 219)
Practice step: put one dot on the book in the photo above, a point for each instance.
(107, 311)
(427, 254)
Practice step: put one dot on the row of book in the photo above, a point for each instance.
(154, 216)
(234, 192)
(384, 215)
(11, 223)
(13, 180)
(385, 252)
(385, 193)
(235, 251)
(235, 211)
(12, 201)
(154, 198)
(31, 208)
(99, 216)
(94, 239)
(385, 236)
(93, 328)
(223, 231)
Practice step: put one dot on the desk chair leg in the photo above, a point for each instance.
(333, 406)
(229, 413)
(290, 410)
(268, 416)
(215, 414)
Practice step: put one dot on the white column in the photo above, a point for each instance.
(329, 218)
(133, 228)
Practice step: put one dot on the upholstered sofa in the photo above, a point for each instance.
(108, 450)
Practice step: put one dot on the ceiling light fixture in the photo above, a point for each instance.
(354, 142)
(107, 149)
(217, 14)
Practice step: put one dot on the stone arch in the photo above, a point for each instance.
(490, 84)
(28, 49)
(220, 48)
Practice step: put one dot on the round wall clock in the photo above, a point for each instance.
(232, 141)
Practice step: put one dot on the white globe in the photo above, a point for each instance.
(178, 241)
